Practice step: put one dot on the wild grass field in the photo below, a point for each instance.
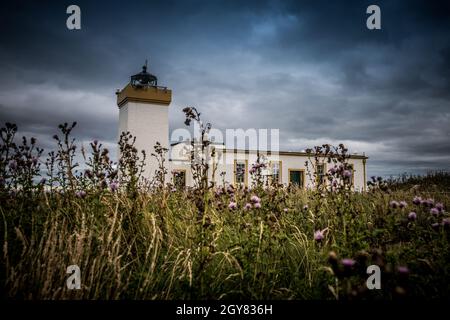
(137, 240)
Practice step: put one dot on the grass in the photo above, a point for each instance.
(137, 240)
(154, 247)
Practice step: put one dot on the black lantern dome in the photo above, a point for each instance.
(144, 79)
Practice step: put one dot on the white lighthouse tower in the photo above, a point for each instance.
(144, 112)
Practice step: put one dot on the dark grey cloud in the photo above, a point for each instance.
(309, 68)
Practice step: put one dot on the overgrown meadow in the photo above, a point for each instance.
(138, 239)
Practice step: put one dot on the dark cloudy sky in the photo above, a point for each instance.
(310, 68)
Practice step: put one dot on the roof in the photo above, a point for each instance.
(289, 153)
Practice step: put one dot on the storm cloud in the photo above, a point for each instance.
(310, 68)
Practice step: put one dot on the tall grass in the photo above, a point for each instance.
(152, 241)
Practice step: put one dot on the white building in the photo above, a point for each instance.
(143, 111)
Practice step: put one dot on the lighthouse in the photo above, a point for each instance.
(144, 112)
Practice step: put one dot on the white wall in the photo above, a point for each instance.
(226, 164)
(149, 123)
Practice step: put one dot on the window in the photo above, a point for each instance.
(275, 167)
(297, 177)
(179, 178)
(320, 174)
(240, 172)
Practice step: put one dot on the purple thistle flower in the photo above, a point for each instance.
(394, 204)
(434, 211)
(257, 205)
(347, 173)
(412, 215)
(318, 235)
(446, 222)
(114, 186)
(417, 200)
(348, 262)
(428, 202)
(439, 206)
(13, 165)
(232, 205)
(403, 270)
(305, 207)
(247, 206)
(80, 194)
(332, 170)
(255, 199)
(403, 204)
(435, 226)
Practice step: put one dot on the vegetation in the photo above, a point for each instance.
(137, 239)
